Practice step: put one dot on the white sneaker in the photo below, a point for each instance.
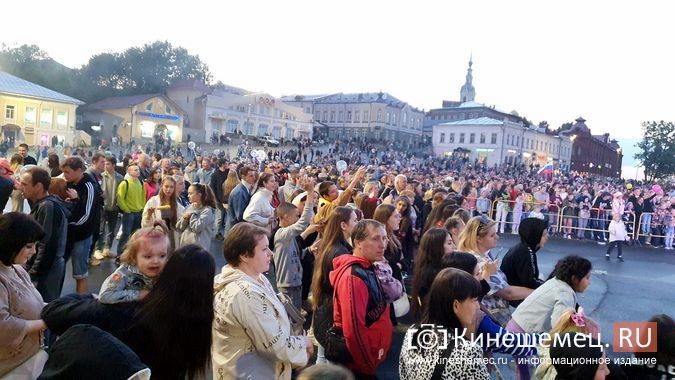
(98, 255)
(94, 262)
(108, 253)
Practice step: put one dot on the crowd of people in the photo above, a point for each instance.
(323, 259)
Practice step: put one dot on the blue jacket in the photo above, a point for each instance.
(236, 204)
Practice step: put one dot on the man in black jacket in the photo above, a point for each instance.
(217, 179)
(47, 267)
(23, 151)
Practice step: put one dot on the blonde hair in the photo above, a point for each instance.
(142, 238)
(564, 325)
(476, 227)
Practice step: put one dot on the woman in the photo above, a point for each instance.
(164, 206)
(434, 244)
(478, 238)
(249, 316)
(151, 183)
(260, 210)
(15, 164)
(196, 225)
(520, 263)
(335, 242)
(405, 231)
(155, 327)
(578, 356)
(543, 308)
(230, 183)
(20, 303)
(453, 303)
(389, 216)
(53, 165)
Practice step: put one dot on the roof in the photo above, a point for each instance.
(471, 104)
(9, 84)
(359, 97)
(301, 98)
(478, 121)
(120, 101)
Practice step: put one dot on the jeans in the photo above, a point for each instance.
(221, 216)
(646, 221)
(670, 231)
(79, 256)
(130, 222)
(108, 229)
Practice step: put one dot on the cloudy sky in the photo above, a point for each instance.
(611, 63)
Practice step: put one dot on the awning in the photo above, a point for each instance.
(11, 127)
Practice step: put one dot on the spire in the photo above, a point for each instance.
(468, 93)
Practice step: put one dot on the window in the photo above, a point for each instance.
(168, 109)
(405, 120)
(187, 99)
(442, 138)
(307, 110)
(325, 116)
(493, 139)
(379, 115)
(9, 112)
(388, 118)
(357, 116)
(508, 139)
(332, 116)
(232, 125)
(365, 116)
(452, 138)
(340, 116)
(62, 119)
(393, 119)
(30, 116)
(349, 116)
(482, 138)
(472, 138)
(46, 117)
(517, 140)
(149, 107)
(461, 138)
(317, 116)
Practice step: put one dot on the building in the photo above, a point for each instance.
(494, 142)
(487, 135)
(135, 117)
(465, 109)
(594, 154)
(34, 114)
(231, 110)
(378, 116)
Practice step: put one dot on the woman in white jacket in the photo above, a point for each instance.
(197, 224)
(259, 210)
(251, 329)
(164, 206)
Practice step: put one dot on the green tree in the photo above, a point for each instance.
(657, 147)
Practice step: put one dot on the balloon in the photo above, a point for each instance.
(341, 166)
(629, 186)
(191, 145)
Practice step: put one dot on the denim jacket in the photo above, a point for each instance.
(124, 285)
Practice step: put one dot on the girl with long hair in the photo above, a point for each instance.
(16, 163)
(390, 217)
(164, 206)
(197, 224)
(405, 231)
(434, 244)
(151, 183)
(336, 241)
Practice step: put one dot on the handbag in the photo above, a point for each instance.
(336, 346)
(401, 305)
(294, 315)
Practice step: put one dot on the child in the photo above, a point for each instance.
(669, 227)
(536, 212)
(483, 203)
(584, 215)
(142, 262)
(287, 251)
(196, 226)
(517, 212)
(617, 235)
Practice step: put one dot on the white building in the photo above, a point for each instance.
(493, 141)
(232, 111)
(362, 115)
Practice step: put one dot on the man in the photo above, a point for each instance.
(331, 199)
(216, 183)
(205, 172)
(95, 171)
(240, 196)
(109, 184)
(289, 187)
(47, 268)
(144, 166)
(360, 306)
(23, 151)
(131, 200)
(83, 196)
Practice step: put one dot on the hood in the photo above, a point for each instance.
(530, 231)
(227, 275)
(60, 203)
(342, 262)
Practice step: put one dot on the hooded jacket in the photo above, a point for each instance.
(362, 312)
(250, 318)
(52, 214)
(520, 263)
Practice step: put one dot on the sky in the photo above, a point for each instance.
(610, 62)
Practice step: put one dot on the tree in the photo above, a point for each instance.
(657, 147)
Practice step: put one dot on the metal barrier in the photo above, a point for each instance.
(554, 222)
(649, 235)
(578, 221)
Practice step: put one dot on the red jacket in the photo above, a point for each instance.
(361, 310)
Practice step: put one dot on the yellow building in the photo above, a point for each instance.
(34, 114)
(135, 117)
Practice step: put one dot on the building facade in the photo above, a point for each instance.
(378, 116)
(495, 142)
(230, 110)
(34, 114)
(135, 117)
(594, 154)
